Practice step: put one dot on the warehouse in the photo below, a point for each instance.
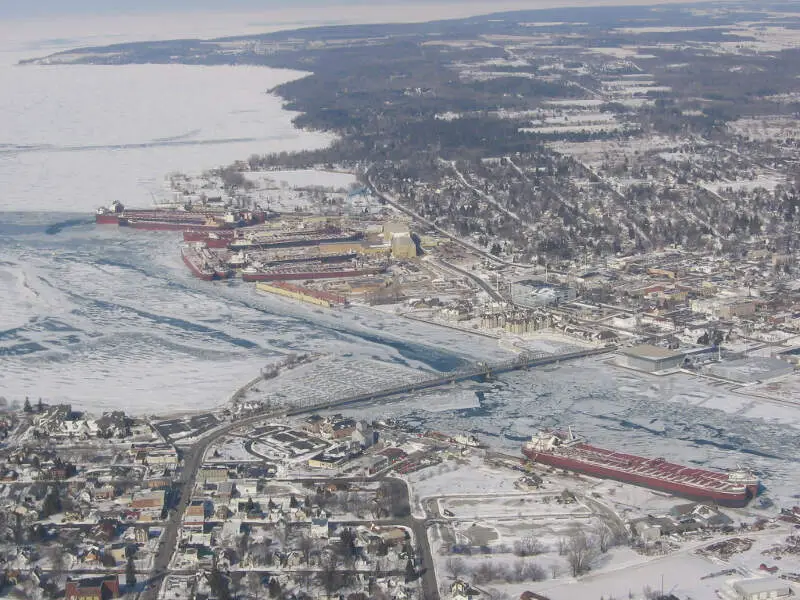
(645, 357)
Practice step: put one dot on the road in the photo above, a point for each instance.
(193, 458)
(418, 217)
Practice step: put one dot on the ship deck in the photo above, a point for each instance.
(656, 468)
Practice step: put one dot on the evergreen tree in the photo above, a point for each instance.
(27, 406)
(51, 504)
(130, 572)
(39, 406)
(411, 572)
(218, 583)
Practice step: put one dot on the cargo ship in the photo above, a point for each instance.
(195, 256)
(566, 451)
(309, 270)
(212, 239)
(299, 238)
(177, 219)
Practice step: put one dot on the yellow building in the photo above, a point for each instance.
(403, 246)
(393, 228)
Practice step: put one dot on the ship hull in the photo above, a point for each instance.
(221, 240)
(292, 242)
(736, 499)
(166, 225)
(106, 219)
(289, 276)
(197, 271)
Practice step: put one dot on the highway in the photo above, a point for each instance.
(193, 456)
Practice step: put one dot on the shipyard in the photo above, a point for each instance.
(578, 505)
(483, 308)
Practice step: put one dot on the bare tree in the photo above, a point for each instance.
(555, 570)
(57, 565)
(518, 570)
(484, 573)
(581, 550)
(329, 575)
(306, 544)
(604, 536)
(528, 546)
(563, 543)
(254, 585)
(456, 567)
(533, 572)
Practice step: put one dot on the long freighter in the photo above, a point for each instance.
(160, 219)
(309, 270)
(566, 451)
(195, 256)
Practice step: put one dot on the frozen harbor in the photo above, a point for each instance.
(691, 422)
(110, 318)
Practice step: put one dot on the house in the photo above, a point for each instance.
(150, 504)
(319, 527)
(117, 551)
(461, 590)
(212, 475)
(92, 588)
(394, 535)
(195, 516)
(107, 492)
(313, 424)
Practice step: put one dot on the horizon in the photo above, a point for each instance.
(101, 8)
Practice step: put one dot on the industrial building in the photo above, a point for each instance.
(532, 294)
(650, 359)
(761, 588)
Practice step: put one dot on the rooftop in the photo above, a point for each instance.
(650, 352)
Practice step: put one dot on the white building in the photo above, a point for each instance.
(762, 588)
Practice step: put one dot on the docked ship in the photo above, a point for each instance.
(197, 258)
(566, 451)
(297, 238)
(309, 270)
(212, 239)
(160, 219)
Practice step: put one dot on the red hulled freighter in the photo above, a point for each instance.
(201, 263)
(309, 270)
(160, 219)
(565, 451)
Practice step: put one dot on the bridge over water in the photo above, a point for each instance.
(526, 360)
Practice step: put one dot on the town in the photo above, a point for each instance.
(324, 506)
(610, 197)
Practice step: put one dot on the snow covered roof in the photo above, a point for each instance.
(748, 587)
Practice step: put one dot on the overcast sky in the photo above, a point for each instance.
(44, 8)
(40, 8)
